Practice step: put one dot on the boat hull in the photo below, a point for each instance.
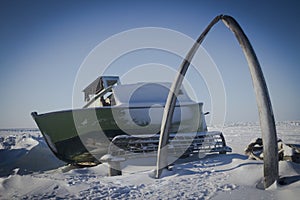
(83, 135)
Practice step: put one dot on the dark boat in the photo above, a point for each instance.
(112, 110)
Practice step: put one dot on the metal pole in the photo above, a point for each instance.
(266, 116)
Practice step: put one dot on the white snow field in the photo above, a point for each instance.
(29, 170)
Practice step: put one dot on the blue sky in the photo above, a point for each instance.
(43, 44)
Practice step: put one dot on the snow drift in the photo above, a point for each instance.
(29, 170)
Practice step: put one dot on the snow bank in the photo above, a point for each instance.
(26, 151)
(30, 171)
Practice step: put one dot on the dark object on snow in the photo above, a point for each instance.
(290, 152)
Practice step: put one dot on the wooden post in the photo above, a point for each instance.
(266, 116)
(114, 164)
(114, 168)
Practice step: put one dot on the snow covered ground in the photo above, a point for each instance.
(28, 170)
